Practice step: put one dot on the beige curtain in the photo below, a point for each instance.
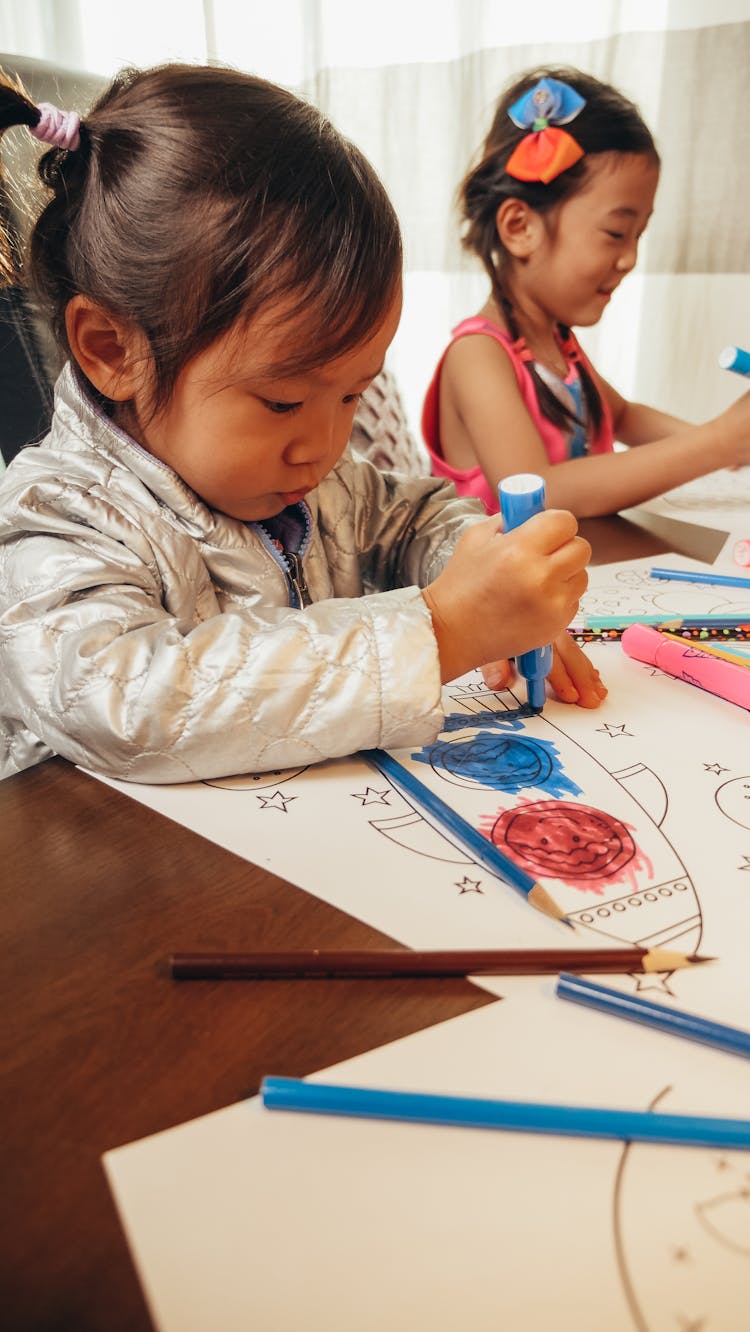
(413, 82)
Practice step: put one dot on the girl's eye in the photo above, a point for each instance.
(352, 397)
(616, 235)
(281, 408)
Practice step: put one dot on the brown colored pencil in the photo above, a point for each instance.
(372, 964)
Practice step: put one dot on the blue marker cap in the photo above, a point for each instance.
(734, 358)
(520, 497)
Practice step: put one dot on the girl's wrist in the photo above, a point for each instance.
(454, 660)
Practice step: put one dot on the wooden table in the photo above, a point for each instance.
(100, 1047)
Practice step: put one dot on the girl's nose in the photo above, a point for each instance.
(316, 441)
(627, 259)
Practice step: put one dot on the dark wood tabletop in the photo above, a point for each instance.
(100, 1047)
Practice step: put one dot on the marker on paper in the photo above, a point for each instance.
(735, 358)
(520, 497)
(728, 652)
(579, 1121)
(685, 661)
(742, 554)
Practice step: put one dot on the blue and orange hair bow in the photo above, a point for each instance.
(546, 150)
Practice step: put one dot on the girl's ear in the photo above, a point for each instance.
(519, 228)
(112, 355)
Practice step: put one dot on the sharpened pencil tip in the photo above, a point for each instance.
(540, 898)
(662, 959)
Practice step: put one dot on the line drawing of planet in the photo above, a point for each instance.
(255, 781)
(676, 598)
(687, 1268)
(733, 799)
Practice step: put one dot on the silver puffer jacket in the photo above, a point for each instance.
(147, 637)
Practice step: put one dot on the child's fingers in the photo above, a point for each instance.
(573, 677)
(498, 674)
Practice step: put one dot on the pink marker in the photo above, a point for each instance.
(685, 661)
(742, 554)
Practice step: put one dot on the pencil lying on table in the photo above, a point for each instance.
(635, 1007)
(692, 634)
(580, 1121)
(452, 823)
(662, 620)
(373, 964)
(700, 576)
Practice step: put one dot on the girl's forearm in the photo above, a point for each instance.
(608, 482)
(638, 423)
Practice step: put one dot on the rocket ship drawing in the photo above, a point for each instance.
(523, 782)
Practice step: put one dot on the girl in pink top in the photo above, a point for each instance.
(555, 215)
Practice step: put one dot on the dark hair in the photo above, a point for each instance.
(197, 196)
(608, 123)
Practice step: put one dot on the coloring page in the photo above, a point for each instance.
(250, 1218)
(719, 499)
(635, 817)
(627, 589)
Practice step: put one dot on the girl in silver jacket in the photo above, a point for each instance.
(197, 576)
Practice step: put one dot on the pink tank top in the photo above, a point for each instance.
(560, 443)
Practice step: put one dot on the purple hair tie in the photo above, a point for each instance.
(57, 127)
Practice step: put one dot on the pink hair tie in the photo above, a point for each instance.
(57, 127)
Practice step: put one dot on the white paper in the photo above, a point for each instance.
(646, 801)
(627, 588)
(255, 1219)
(249, 1218)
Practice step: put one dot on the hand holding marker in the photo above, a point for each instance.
(520, 497)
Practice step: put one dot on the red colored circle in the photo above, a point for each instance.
(565, 840)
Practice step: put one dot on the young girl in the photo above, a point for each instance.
(554, 210)
(195, 577)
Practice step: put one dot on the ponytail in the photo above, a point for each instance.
(16, 108)
(47, 123)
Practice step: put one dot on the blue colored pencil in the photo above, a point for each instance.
(671, 1020)
(691, 576)
(479, 846)
(578, 1121)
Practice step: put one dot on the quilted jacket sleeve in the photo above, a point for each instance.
(117, 651)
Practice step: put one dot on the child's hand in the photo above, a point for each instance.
(501, 594)
(573, 678)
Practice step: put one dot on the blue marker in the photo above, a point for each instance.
(734, 358)
(520, 497)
